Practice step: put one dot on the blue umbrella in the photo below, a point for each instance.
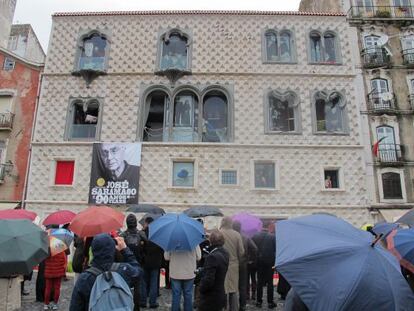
(334, 266)
(176, 232)
(401, 244)
(384, 228)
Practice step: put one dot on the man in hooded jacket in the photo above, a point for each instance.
(103, 250)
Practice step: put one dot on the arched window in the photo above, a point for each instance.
(215, 117)
(93, 52)
(156, 116)
(380, 97)
(391, 185)
(83, 119)
(174, 51)
(185, 118)
(323, 49)
(278, 46)
(371, 42)
(330, 114)
(282, 112)
(387, 150)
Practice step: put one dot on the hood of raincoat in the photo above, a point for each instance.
(103, 250)
(131, 221)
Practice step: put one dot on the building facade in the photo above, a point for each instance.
(386, 38)
(7, 8)
(245, 103)
(19, 84)
(23, 42)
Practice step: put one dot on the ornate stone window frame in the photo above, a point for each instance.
(69, 117)
(193, 160)
(173, 74)
(279, 93)
(89, 74)
(52, 171)
(325, 95)
(322, 33)
(200, 92)
(293, 56)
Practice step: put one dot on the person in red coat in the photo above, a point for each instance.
(55, 268)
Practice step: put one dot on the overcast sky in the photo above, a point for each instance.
(38, 12)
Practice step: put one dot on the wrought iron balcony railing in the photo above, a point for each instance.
(381, 102)
(381, 12)
(6, 120)
(375, 57)
(408, 57)
(390, 153)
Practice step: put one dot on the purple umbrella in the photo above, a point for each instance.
(250, 224)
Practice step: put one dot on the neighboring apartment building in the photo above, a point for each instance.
(7, 8)
(240, 110)
(23, 42)
(19, 83)
(386, 44)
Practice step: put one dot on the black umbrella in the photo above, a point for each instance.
(149, 215)
(407, 218)
(203, 211)
(23, 245)
(145, 208)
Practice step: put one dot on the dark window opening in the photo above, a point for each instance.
(329, 115)
(85, 120)
(156, 128)
(185, 124)
(215, 117)
(8, 64)
(264, 175)
(331, 179)
(316, 47)
(272, 47)
(391, 185)
(281, 115)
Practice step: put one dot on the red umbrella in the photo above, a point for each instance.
(59, 218)
(95, 220)
(17, 214)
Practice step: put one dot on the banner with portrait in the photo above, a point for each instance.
(115, 173)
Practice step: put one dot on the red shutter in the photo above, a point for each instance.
(64, 172)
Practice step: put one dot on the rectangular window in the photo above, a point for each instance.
(84, 120)
(12, 44)
(331, 179)
(64, 172)
(183, 174)
(8, 64)
(264, 175)
(228, 177)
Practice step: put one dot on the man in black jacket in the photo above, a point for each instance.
(212, 294)
(266, 244)
(134, 239)
(152, 259)
(103, 250)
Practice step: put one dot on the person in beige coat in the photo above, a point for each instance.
(233, 244)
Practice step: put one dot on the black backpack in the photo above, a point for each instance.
(133, 241)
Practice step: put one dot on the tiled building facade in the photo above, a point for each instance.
(264, 120)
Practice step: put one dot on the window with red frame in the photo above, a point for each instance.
(64, 172)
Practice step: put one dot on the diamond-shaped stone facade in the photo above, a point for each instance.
(226, 51)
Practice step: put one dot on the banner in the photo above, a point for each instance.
(115, 173)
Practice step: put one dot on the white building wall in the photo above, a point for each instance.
(226, 51)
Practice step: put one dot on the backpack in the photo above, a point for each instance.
(133, 241)
(110, 292)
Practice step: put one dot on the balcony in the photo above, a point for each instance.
(381, 103)
(6, 120)
(390, 154)
(83, 131)
(408, 57)
(404, 12)
(375, 57)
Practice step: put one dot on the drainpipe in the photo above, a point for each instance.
(26, 179)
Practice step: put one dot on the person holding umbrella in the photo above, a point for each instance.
(55, 268)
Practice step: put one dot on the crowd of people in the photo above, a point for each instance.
(224, 272)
